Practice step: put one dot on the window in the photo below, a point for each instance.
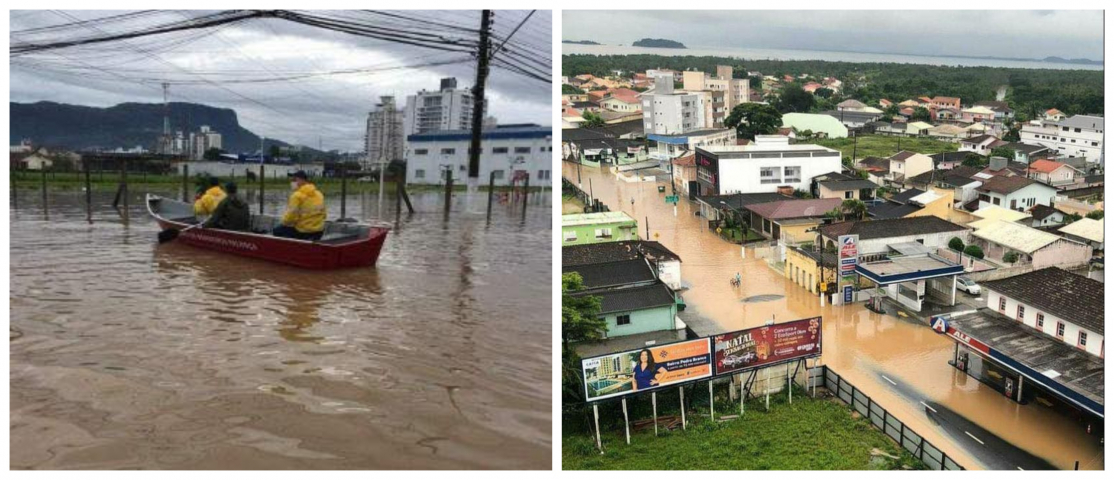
(499, 150)
(419, 173)
(421, 151)
(1060, 330)
(603, 233)
(770, 175)
(1082, 339)
(997, 201)
(521, 149)
(792, 174)
(481, 150)
(1021, 312)
(448, 151)
(570, 235)
(543, 174)
(498, 174)
(622, 320)
(1002, 304)
(1040, 320)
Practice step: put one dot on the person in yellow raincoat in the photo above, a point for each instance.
(207, 203)
(305, 213)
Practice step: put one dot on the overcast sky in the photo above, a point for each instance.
(333, 107)
(1015, 33)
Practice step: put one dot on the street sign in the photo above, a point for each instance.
(671, 199)
(940, 324)
(848, 294)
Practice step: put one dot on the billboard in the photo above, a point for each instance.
(648, 368)
(757, 347)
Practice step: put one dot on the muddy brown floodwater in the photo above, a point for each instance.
(128, 354)
(867, 349)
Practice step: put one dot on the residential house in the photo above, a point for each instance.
(908, 164)
(981, 144)
(718, 207)
(854, 118)
(823, 126)
(672, 146)
(1033, 247)
(807, 267)
(977, 114)
(684, 174)
(877, 169)
(1002, 110)
(665, 264)
(947, 132)
(1027, 153)
(791, 221)
(1045, 216)
(910, 103)
(770, 164)
(1077, 136)
(1055, 302)
(1053, 115)
(959, 180)
(915, 129)
(949, 160)
(850, 105)
(889, 128)
(944, 102)
(843, 186)
(885, 103)
(1053, 173)
(945, 114)
(914, 203)
(812, 87)
(1086, 230)
(633, 300)
(621, 100)
(1015, 193)
(579, 229)
(992, 213)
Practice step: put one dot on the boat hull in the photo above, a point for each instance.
(299, 253)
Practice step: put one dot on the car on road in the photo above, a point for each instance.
(968, 285)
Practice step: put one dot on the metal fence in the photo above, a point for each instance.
(924, 450)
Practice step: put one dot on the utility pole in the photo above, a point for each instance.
(483, 58)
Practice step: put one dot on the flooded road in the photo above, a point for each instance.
(127, 354)
(874, 352)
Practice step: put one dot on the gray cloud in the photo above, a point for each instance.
(1002, 33)
(332, 108)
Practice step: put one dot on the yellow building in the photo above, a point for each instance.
(802, 267)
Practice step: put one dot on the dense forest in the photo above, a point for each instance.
(1028, 91)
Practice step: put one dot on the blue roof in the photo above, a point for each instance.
(502, 132)
(669, 139)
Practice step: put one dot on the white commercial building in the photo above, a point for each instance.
(729, 92)
(1077, 136)
(510, 151)
(1059, 304)
(667, 112)
(384, 140)
(770, 164)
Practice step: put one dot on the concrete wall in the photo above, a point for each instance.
(586, 234)
(809, 275)
(744, 174)
(225, 170)
(1063, 253)
(670, 273)
(1071, 330)
(426, 159)
(642, 321)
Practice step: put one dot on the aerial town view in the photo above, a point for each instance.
(280, 240)
(796, 247)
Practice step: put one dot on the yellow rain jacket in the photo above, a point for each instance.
(306, 210)
(208, 202)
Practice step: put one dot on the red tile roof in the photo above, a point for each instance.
(1045, 166)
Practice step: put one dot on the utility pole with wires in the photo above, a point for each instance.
(483, 65)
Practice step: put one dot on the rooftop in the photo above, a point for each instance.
(610, 274)
(795, 208)
(598, 218)
(1004, 185)
(1014, 235)
(908, 268)
(1041, 212)
(1081, 121)
(898, 227)
(501, 132)
(1046, 166)
(844, 185)
(605, 252)
(1072, 297)
(739, 200)
(1086, 228)
(1075, 369)
(995, 212)
(634, 298)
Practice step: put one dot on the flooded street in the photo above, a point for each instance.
(899, 363)
(127, 354)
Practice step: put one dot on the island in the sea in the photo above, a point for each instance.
(658, 43)
(581, 42)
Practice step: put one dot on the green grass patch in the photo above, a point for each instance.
(885, 145)
(810, 434)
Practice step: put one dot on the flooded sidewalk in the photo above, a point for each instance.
(127, 354)
(900, 363)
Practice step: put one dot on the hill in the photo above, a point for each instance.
(658, 43)
(79, 127)
(581, 42)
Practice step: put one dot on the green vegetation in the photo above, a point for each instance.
(750, 119)
(1029, 91)
(853, 209)
(1005, 152)
(580, 322)
(793, 98)
(973, 251)
(1095, 215)
(885, 146)
(1010, 257)
(567, 89)
(592, 120)
(810, 434)
(956, 244)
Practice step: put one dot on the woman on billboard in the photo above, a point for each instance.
(645, 371)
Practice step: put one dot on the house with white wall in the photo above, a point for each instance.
(1014, 193)
(998, 238)
(981, 144)
(905, 164)
(509, 151)
(1050, 172)
(1076, 136)
(770, 164)
(1056, 303)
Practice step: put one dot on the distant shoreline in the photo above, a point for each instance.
(581, 42)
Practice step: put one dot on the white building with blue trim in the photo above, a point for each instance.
(510, 151)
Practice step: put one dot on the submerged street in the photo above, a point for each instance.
(901, 363)
(127, 354)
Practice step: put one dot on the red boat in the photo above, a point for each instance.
(344, 244)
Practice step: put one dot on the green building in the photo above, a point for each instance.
(633, 299)
(586, 228)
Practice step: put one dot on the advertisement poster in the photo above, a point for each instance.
(848, 257)
(756, 347)
(647, 368)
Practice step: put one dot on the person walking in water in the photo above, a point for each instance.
(305, 213)
(738, 279)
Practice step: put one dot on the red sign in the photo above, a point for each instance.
(756, 347)
(967, 340)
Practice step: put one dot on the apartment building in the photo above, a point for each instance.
(1076, 136)
(669, 112)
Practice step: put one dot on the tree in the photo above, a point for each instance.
(1095, 215)
(824, 92)
(1072, 217)
(920, 114)
(974, 160)
(793, 98)
(592, 120)
(580, 322)
(807, 134)
(854, 209)
(212, 154)
(1013, 135)
(275, 151)
(755, 82)
(892, 110)
(567, 89)
(1010, 257)
(956, 244)
(973, 251)
(750, 119)
(1005, 152)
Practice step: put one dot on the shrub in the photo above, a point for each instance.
(956, 244)
(1010, 257)
(973, 251)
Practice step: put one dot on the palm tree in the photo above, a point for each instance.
(854, 209)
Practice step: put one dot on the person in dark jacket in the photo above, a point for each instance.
(232, 213)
